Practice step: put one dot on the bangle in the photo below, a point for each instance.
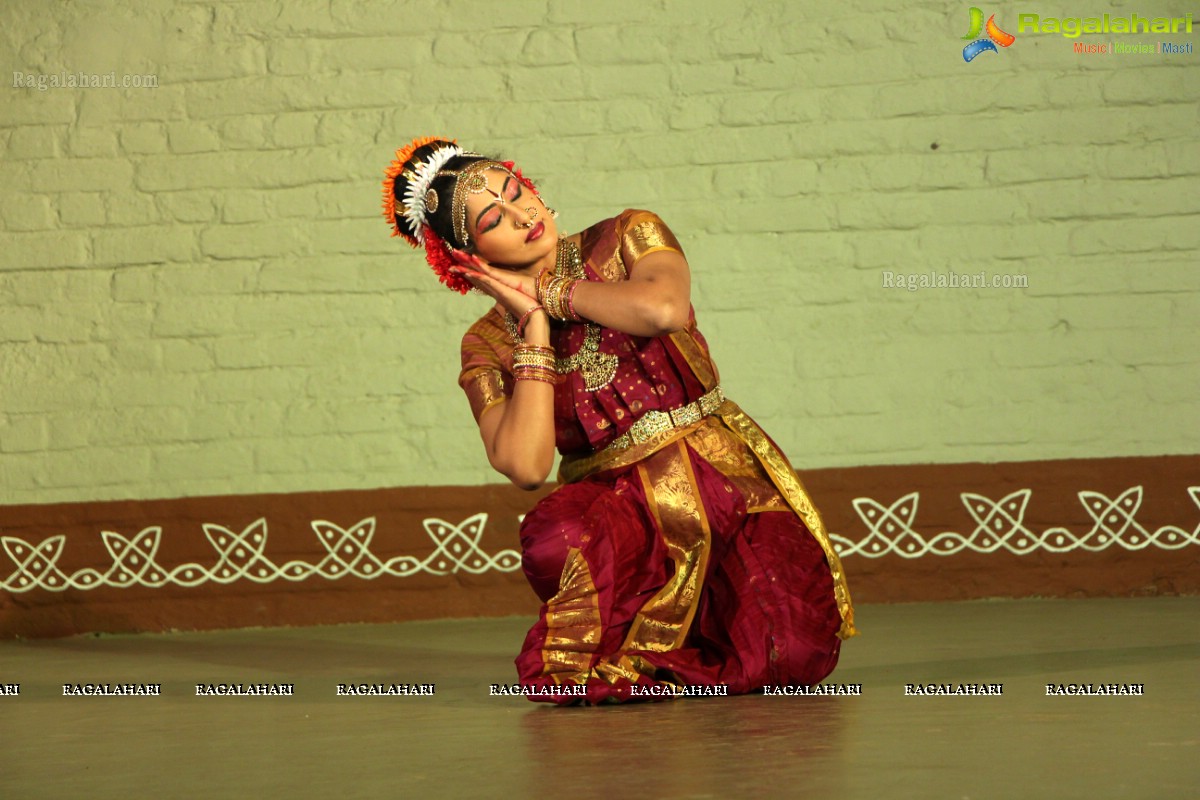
(542, 284)
(572, 314)
(534, 362)
(555, 298)
(549, 297)
(532, 365)
(532, 355)
(555, 293)
(530, 349)
(525, 318)
(531, 372)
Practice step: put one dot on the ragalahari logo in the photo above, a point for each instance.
(995, 36)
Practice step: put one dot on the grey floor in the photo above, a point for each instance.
(461, 742)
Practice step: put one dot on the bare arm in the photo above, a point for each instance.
(519, 434)
(653, 302)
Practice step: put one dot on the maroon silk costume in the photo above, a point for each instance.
(689, 556)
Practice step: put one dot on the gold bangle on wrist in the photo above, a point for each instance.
(534, 372)
(534, 362)
(526, 349)
(572, 314)
(549, 297)
(556, 296)
(532, 355)
(540, 285)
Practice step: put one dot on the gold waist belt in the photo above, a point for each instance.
(652, 423)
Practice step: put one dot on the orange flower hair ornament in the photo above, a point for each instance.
(419, 176)
(410, 220)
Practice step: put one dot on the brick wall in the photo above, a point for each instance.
(200, 297)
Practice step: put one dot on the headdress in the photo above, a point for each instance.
(419, 199)
(410, 220)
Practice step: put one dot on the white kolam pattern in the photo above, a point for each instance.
(1000, 525)
(242, 556)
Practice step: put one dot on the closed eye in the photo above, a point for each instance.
(512, 189)
(488, 220)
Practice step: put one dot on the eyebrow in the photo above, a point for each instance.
(491, 205)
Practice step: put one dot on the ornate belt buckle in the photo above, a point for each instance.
(710, 402)
(685, 415)
(651, 423)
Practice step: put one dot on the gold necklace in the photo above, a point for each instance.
(597, 369)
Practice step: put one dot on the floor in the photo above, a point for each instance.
(462, 742)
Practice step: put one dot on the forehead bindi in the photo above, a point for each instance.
(496, 179)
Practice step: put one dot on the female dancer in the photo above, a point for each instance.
(680, 550)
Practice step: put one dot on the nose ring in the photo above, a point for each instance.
(532, 212)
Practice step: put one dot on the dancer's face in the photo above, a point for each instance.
(508, 223)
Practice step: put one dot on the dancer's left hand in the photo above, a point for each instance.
(513, 291)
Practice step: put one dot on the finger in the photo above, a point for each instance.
(465, 275)
(482, 267)
(500, 276)
(476, 266)
(493, 281)
(479, 281)
(463, 260)
(472, 274)
(468, 271)
(469, 260)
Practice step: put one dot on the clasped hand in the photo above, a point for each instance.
(516, 292)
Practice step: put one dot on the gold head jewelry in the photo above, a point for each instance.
(467, 181)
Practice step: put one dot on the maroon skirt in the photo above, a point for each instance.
(658, 575)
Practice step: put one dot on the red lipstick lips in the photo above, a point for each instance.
(537, 232)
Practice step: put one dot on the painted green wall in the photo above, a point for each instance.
(199, 295)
